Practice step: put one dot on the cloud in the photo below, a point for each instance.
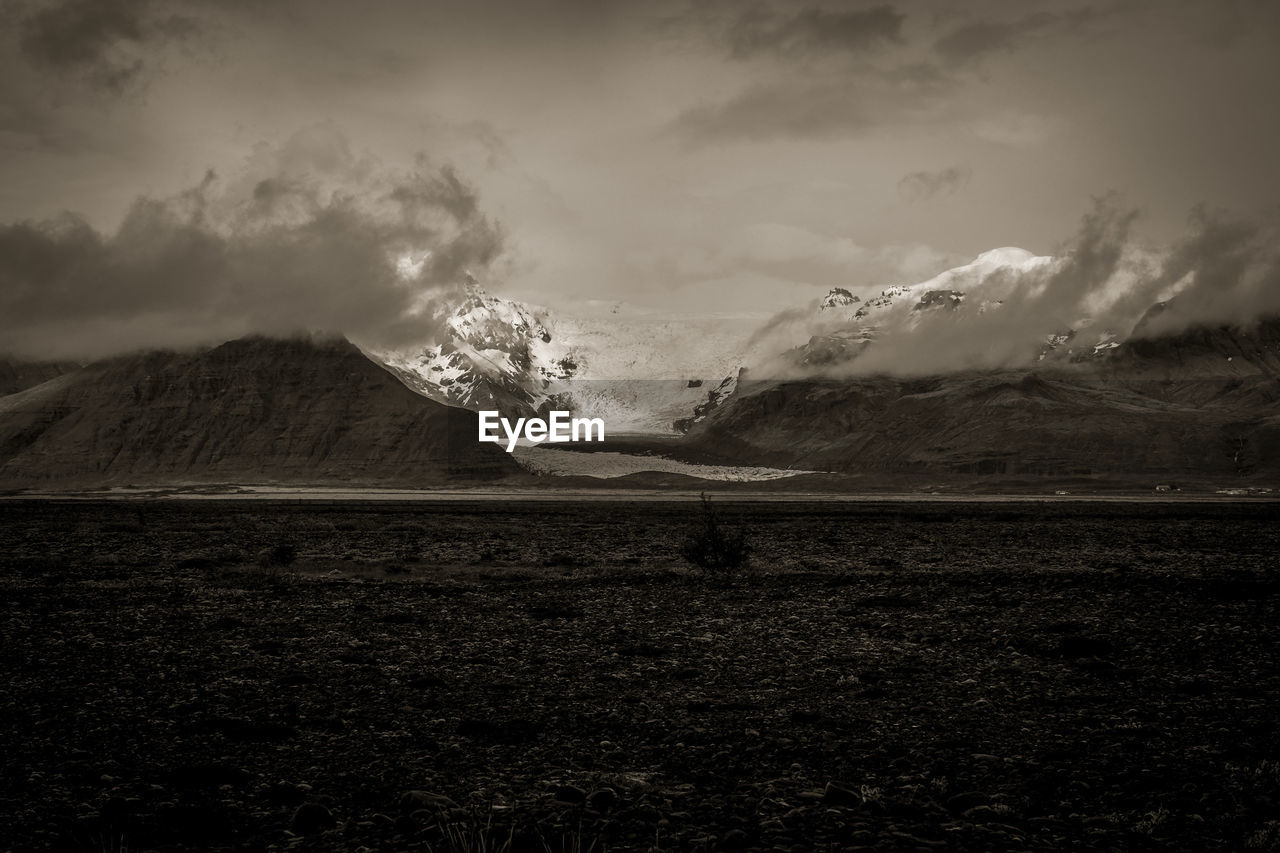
(835, 262)
(107, 43)
(1227, 271)
(1018, 129)
(804, 108)
(1102, 283)
(812, 32)
(791, 256)
(295, 246)
(1226, 23)
(777, 243)
(1006, 316)
(975, 41)
(767, 111)
(920, 186)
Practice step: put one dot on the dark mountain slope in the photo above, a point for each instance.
(256, 410)
(18, 375)
(1202, 402)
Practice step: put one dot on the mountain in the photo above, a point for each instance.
(1203, 402)
(18, 375)
(838, 298)
(638, 370)
(643, 371)
(304, 410)
(497, 354)
(843, 325)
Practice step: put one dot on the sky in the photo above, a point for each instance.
(171, 171)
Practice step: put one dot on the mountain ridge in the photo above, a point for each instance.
(256, 409)
(1213, 409)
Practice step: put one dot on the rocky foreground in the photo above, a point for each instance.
(548, 677)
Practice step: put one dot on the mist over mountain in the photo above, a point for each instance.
(1011, 309)
(1203, 402)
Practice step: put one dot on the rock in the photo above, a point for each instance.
(603, 799)
(571, 794)
(967, 800)
(117, 808)
(839, 794)
(311, 818)
(286, 794)
(412, 801)
(734, 839)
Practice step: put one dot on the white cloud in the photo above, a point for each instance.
(1019, 129)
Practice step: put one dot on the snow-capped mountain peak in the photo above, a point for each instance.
(641, 372)
(838, 298)
(496, 353)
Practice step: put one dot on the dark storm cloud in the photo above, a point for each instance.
(974, 41)
(1226, 23)
(829, 84)
(812, 31)
(102, 41)
(805, 109)
(770, 111)
(1227, 271)
(275, 254)
(443, 189)
(919, 186)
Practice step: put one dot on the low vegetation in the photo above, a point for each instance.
(888, 676)
(713, 548)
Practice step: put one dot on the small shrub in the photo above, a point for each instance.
(277, 556)
(714, 549)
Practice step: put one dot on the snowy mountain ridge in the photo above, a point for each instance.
(652, 372)
(640, 373)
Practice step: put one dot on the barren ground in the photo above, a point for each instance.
(548, 676)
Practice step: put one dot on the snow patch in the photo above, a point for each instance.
(606, 465)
